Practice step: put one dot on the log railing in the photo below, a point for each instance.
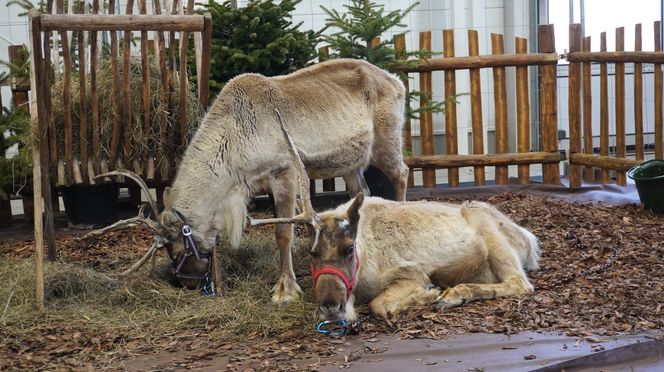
(582, 158)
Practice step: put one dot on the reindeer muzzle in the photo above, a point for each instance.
(350, 283)
(191, 252)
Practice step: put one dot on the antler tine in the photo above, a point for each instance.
(140, 219)
(303, 178)
(308, 215)
(150, 253)
(140, 183)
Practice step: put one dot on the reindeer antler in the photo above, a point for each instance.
(140, 183)
(308, 215)
(154, 225)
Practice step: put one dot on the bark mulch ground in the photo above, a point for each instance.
(602, 274)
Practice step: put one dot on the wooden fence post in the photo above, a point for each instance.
(116, 99)
(638, 97)
(574, 105)
(35, 36)
(522, 110)
(500, 108)
(604, 109)
(476, 106)
(548, 105)
(126, 93)
(83, 110)
(94, 96)
(659, 121)
(620, 106)
(426, 117)
(451, 140)
(164, 170)
(400, 47)
(587, 112)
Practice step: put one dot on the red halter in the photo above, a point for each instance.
(329, 269)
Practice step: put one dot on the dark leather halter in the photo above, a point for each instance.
(190, 250)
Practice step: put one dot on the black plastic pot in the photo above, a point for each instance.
(649, 179)
(91, 205)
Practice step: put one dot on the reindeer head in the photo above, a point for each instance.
(190, 254)
(335, 261)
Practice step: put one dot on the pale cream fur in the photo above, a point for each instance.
(343, 115)
(427, 252)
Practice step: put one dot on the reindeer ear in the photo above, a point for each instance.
(170, 222)
(353, 212)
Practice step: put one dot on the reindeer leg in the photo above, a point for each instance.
(386, 153)
(401, 295)
(407, 286)
(503, 263)
(286, 289)
(463, 293)
(355, 183)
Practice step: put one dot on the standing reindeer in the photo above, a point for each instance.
(343, 115)
(394, 255)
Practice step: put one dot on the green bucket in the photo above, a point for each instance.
(649, 179)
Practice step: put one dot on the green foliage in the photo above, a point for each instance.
(363, 22)
(19, 70)
(14, 172)
(28, 5)
(259, 37)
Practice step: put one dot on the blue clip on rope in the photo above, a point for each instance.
(336, 327)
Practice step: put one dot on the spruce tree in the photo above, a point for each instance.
(358, 27)
(259, 37)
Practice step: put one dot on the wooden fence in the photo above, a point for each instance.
(581, 151)
(582, 157)
(170, 47)
(546, 60)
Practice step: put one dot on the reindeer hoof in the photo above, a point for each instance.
(285, 291)
(452, 297)
(445, 304)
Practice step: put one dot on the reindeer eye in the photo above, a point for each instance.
(350, 250)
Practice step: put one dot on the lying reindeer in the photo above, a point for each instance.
(394, 255)
(344, 115)
(390, 253)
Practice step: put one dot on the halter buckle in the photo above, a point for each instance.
(186, 230)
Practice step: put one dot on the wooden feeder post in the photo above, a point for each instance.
(36, 161)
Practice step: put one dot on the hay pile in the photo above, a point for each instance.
(143, 143)
(111, 315)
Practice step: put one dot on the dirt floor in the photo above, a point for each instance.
(600, 286)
